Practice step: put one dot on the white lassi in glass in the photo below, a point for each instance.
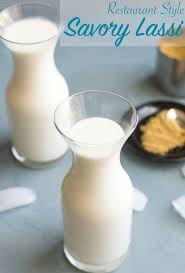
(35, 89)
(97, 196)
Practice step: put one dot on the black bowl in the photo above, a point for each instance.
(146, 111)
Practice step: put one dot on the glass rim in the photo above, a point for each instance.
(50, 6)
(65, 135)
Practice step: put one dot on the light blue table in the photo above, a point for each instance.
(31, 238)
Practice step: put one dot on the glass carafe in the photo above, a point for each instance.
(31, 31)
(97, 194)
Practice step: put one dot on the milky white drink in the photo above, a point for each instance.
(35, 89)
(97, 196)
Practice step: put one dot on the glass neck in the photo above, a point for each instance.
(34, 57)
(96, 161)
(31, 59)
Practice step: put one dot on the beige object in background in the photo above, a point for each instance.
(160, 135)
(173, 47)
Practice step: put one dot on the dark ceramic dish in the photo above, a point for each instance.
(146, 111)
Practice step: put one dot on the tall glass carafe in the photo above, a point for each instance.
(97, 194)
(31, 32)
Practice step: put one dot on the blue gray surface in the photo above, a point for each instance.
(31, 237)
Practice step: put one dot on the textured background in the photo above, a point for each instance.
(31, 237)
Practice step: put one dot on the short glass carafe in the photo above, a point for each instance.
(30, 32)
(97, 194)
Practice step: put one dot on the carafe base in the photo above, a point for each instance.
(33, 164)
(94, 268)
